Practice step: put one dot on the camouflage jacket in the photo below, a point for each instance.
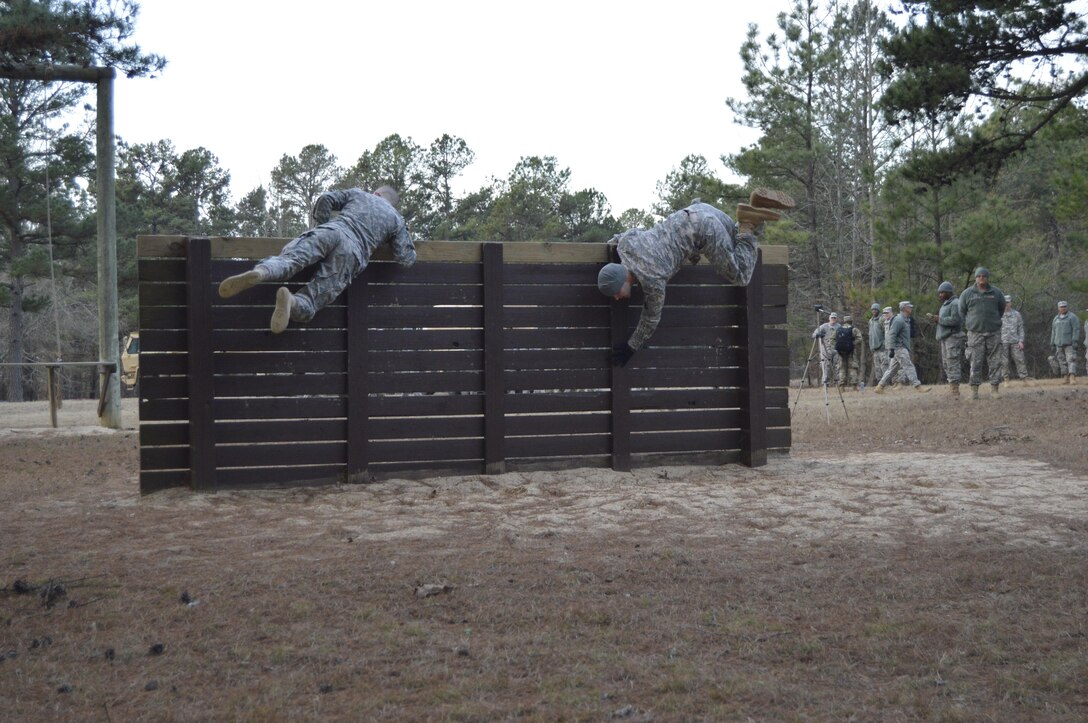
(899, 333)
(1012, 327)
(949, 319)
(1065, 330)
(876, 333)
(368, 220)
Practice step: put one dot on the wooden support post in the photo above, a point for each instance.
(198, 277)
(494, 343)
(754, 406)
(358, 388)
(621, 392)
(51, 389)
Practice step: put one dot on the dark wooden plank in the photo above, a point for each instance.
(494, 345)
(686, 441)
(160, 270)
(424, 339)
(295, 338)
(545, 402)
(358, 381)
(303, 408)
(161, 294)
(436, 450)
(152, 364)
(557, 379)
(266, 477)
(662, 399)
(559, 446)
(310, 430)
(541, 425)
(279, 362)
(754, 440)
(619, 383)
(422, 405)
(258, 317)
(282, 454)
(551, 317)
(158, 480)
(442, 359)
(520, 275)
(202, 456)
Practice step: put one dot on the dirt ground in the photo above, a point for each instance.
(923, 558)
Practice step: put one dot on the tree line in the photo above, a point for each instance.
(913, 156)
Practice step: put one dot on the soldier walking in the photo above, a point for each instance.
(852, 360)
(1012, 343)
(981, 306)
(898, 342)
(1064, 335)
(950, 335)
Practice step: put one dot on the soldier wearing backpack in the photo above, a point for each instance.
(830, 361)
(849, 347)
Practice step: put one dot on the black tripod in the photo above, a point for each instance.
(812, 356)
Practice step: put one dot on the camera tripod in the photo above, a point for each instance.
(812, 356)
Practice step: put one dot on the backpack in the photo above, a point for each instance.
(844, 340)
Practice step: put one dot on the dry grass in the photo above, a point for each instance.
(570, 597)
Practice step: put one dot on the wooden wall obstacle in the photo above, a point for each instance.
(480, 358)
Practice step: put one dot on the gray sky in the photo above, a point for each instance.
(619, 92)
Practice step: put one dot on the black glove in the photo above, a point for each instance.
(621, 354)
(820, 334)
(891, 353)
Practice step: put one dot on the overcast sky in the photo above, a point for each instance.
(619, 92)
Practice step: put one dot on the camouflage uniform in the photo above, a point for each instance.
(902, 377)
(876, 346)
(655, 255)
(982, 311)
(1064, 335)
(830, 361)
(850, 368)
(341, 246)
(950, 337)
(898, 341)
(1012, 336)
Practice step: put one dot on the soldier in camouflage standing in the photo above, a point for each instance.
(652, 257)
(876, 342)
(1012, 343)
(341, 246)
(950, 335)
(830, 361)
(1064, 335)
(982, 305)
(852, 365)
(898, 343)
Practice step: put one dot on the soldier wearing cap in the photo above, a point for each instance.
(852, 365)
(876, 342)
(889, 317)
(981, 306)
(830, 361)
(898, 341)
(950, 335)
(1064, 335)
(650, 257)
(1012, 343)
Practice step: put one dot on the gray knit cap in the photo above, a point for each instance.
(876, 307)
(611, 279)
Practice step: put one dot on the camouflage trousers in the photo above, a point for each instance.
(985, 351)
(1067, 359)
(733, 255)
(850, 370)
(880, 364)
(1011, 352)
(831, 367)
(335, 255)
(900, 363)
(952, 357)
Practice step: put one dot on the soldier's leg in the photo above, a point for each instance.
(976, 343)
(309, 248)
(993, 357)
(1021, 362)
(331, 277)
(891, 372)
(1071, 359)
(1006, 361)
(732, 254)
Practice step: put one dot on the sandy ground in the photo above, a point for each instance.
(914, 520)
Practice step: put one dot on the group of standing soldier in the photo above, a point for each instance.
(979, 324)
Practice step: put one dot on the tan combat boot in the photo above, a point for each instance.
(238, 283)
(769, 198)
(750, 218)
(1068, 379)
(281, 317)
(974, 391)
(922, 388)
(954, 389)
(879, 389)
(995, 391)
(1072, 378)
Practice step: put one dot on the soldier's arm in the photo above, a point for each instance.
(652, 304)
(327, 203)
(404, 251)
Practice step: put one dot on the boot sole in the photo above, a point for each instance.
(233, 285)
(768, 198)
(747, 212)
(281, 317)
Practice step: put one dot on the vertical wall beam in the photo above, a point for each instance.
(358, 381)
(754, 439)
(494, 344)
(621, 392)
(198, 277)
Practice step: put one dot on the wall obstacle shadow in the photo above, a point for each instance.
(480, 358)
